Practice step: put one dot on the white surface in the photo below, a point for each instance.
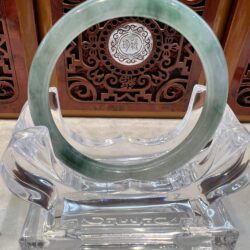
(13, 210)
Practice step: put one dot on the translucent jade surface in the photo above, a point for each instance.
(172, 13)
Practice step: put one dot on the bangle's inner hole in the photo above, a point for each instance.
(141, 65)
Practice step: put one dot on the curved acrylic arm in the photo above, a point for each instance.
(170, 12)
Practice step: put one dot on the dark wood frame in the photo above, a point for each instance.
(237, 51)
(19, 21)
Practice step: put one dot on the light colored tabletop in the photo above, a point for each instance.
(13, 210)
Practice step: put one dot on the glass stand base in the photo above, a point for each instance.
(109, 224)
(180, 210)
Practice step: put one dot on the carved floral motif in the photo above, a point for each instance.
(130, 44)
(162, 76)
(243, 98)
(7, 83)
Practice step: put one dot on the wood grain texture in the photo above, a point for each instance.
(237, 51)
(18, 43)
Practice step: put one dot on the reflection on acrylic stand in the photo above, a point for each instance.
(128, 189)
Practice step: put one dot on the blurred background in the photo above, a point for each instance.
(92, 82)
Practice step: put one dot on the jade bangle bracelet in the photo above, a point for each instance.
(170, 12)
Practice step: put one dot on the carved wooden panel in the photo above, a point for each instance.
(8, 83)
(14, 59)
(93, 74)
(237, 50)
(129, 66)
(243, 95)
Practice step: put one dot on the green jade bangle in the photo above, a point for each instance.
(170, 12)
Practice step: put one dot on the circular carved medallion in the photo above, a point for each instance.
(130, 44)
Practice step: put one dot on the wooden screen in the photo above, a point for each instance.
(94, 82)
(17, 46)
